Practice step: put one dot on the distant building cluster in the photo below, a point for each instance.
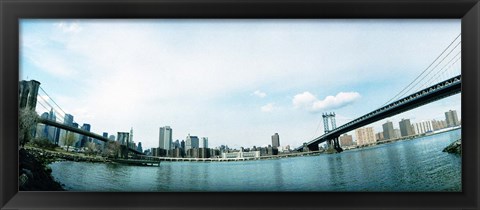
(59, 136)
(198, 147)
(366, 135)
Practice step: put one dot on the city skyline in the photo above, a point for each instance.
(235, 82)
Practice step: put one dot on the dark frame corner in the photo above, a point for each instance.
(12, 10)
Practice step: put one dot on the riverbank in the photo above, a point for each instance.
(455, 147)
(52, 156)
(34, 174)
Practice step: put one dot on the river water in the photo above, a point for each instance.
(410, 165)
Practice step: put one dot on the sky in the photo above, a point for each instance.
(236, 82)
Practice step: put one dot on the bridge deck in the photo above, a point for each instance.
(435, 92)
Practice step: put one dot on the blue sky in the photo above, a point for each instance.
(236, 82)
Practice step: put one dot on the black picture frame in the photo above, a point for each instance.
(12, 10)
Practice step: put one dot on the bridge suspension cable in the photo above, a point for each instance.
(409, 87)
(425, 76)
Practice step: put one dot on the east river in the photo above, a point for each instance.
(409, 165)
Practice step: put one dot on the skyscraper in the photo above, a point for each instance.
(182, 144)
(388, 131)
(84, 139)
(165, 138)
(423, 127)
(131, 135)
(68, 119)
(139, 147)
(406, 128)
(191, 142)
(452, 118)
(275, 140)
(204, 142)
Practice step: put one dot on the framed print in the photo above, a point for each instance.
(271, 104)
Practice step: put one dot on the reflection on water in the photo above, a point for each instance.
(414, 165)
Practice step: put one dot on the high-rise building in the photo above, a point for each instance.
(276, 140)
(406, 128)
(83, 139)
(165, 138)
(423, 127)
(204, 142)
(182, 145)
(379, 136)
(388, 131)
(68, 119)
(439, 124)
(111, 137)
(452, 118)
(139, 147)
(131, 134)
(346, 140)
(191, 142)
(365, 135)
(397, 133)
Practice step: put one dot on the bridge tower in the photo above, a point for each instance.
(333, 144)
(326, 118)
(28, 92)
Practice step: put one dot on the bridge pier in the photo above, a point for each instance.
(334, 146)
(313, 147)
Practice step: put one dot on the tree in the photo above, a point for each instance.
(27, 122)
(92, 148)
(69, 140)
(112, 149)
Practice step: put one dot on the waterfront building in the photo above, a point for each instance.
(165, 137)
(154, 152)
(388, 131)
(177, 152)
(191, 142)
(203, 152)
(379, 136)
(423, 127)
(406, 128)
(204, 142)
(451, 118)
(182, 145)
(346, 140)
(365, 136)
(275, 140)
(272, 150)
(240, 154)
(397, 133)
(438, 124)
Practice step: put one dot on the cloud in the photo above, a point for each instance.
(268, 108)
(68, 27)
(308, 101)
(259, 94)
